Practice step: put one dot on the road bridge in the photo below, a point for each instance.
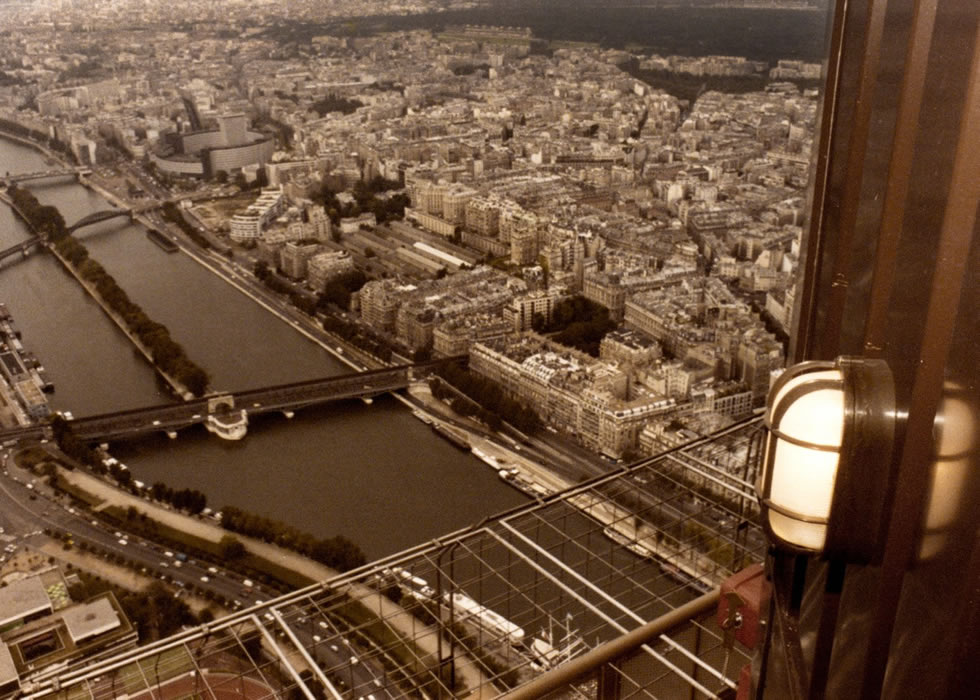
(221, 413)
(12, 179)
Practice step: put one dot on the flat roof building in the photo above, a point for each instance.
(23, 600)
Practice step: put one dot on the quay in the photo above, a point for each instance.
(25, 381)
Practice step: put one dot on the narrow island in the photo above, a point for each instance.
(152, 339)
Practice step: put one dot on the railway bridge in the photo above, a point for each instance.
(226, 414)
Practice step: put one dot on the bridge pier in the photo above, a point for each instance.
(172, 434)
(228, 426)
(289, 414)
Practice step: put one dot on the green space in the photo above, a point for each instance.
(578, 323)
(327, 104)
(485, 400)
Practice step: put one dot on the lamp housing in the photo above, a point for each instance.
(827, 474)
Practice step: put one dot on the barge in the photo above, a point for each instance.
(162, 241)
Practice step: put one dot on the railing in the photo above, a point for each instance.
(536, 601)
(605, 668)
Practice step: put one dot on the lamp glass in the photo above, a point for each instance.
(803, 477)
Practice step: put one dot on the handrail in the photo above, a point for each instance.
(621, 646)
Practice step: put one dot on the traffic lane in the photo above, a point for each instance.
(44, 512)
(333, 649)
(338, 657)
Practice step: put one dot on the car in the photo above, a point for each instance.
(317, 638)
(122, 541)
(168, 553)
(212, 570)
(333, 647)
(205, 579)
(165, 565)
(323, 625)
(156, 422)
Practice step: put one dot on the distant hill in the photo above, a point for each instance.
(696, 30)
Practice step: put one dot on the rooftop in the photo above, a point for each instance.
(19, 599)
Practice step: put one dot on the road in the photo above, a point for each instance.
(28, 507)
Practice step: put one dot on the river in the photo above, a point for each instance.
(372, 473)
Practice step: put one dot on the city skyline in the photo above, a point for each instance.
(565, 258)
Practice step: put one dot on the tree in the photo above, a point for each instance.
(231, 548)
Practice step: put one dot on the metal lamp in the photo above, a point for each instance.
(825, 484)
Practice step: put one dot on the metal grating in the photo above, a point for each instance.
(513, 597)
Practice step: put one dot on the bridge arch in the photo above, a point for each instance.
(98, 216)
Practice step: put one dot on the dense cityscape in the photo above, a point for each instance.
(562, 256)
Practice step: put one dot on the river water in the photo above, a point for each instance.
(372, 473)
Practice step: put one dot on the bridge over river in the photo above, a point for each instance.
(11, 179)
(226, 414)
(25, 246)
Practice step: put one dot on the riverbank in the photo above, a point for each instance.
(46, 152)
(413, 632)
(538, 481)
(179, 389)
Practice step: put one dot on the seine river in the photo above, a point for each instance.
(372, 473)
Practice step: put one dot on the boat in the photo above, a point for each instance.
(686, 579)
(630, 544)
(523, 483)
(486, 458)
(449, 435)
(22, 372)
(546, 652)
(470, 611)
(162, 241)
(422, 417)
